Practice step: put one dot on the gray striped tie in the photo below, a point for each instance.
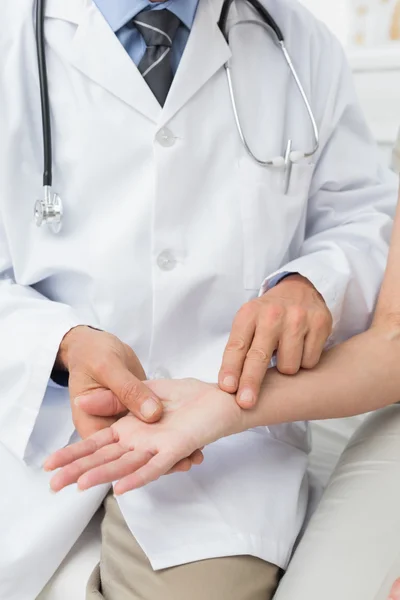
(158, 28)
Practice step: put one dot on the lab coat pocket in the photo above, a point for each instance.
(271, 219)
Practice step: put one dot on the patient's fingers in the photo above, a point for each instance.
(197, 457)
(117, 469)
(159, 465)
(182, 466)
(71, 473)
(67, 455)
(187, 463)
(100, 459)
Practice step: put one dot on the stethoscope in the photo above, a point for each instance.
(49, 210)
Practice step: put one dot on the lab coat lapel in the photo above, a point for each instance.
(206, 52)
(98, 54)
(71, 11)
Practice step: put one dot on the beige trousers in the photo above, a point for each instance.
(125, 573)
(351, 549)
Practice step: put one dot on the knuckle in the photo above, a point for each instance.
(298, 316)
(273, 313)
(322, 320)
(130, 392)
(259, 355)
(236, 344)
(246, 312)
(100, 364)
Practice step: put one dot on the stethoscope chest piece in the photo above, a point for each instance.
(49, 211)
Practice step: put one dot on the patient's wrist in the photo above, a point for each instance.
(251, 417)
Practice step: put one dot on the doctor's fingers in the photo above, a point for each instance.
(291, 343)
(239, 342)
(316, 340)
(131, 392)
(102, 403)
(256, 365)
(87, 425)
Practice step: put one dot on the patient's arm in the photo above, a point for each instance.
(388, 309)
(359, 376)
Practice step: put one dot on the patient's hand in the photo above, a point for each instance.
(136, 453)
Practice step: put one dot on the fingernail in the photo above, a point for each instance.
(80, 486)
(229, 381)
(77, 401)
(246, 397)
(149, 408)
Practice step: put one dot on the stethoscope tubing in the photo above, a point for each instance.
(49, 210)
(44, 94)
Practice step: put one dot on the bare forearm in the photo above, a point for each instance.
(356, 377)
(388, 307)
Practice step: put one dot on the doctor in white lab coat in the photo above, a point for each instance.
(170, 227)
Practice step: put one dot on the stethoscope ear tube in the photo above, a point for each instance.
(268, 23)
(264, 14)
(49, 210)
(44, 93)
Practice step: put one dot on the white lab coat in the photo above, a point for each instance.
(169, 228)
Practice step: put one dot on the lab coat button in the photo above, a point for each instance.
(165, 137)
(166, 261)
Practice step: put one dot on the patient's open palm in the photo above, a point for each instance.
(136, 453)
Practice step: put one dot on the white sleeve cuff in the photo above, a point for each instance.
(330, 283)
(25, 396)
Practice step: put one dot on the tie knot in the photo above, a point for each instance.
(158, 27)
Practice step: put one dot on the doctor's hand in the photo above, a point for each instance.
(135, 453)
(107, 370)
(290, 319)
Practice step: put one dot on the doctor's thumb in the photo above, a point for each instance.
(133, 394)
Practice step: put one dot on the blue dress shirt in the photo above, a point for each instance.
(119, 15)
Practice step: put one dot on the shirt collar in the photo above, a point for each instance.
(118, 12)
